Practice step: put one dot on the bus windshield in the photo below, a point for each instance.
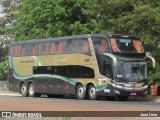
(131, 71)
(126, 45)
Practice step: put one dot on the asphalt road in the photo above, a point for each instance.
(18, 103)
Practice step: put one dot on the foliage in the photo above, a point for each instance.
(154, 75)
(4, 70)
(38, 19)
(9, 11)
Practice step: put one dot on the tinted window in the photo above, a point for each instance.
(70, 46)
(44, 48)
(69, 71)
(82, 46)
(18, 50)
(23, 50)
(100, 45)
(34, 49)
(60, 47)
(53, 47)
(29, 50)
(15, 51)
(83, 72)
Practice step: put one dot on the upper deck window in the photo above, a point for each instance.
(126, 45)
(100, 45)
(82, 46)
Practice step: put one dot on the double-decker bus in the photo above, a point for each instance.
(87, 66)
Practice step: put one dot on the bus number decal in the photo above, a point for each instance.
(87, 60)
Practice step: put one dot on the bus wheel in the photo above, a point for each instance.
(24, 90)
(31, 91)
(123, 98)
(92, 92)
(80, 92)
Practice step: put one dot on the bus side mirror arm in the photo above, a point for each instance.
(115, 63)
(153, 60)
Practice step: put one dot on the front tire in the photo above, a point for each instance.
(24, 90)
(31, 91)
(92, 94)
(80, 92)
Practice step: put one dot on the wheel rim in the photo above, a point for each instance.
(23, 89)
(92, 92)
(81, 91)
(31, 90)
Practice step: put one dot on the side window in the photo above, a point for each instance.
(107, 70)
(18, 50)
(69, 47)
(23, 50)
(77, 72)
(26, 48)
(60, 70)
(60, 47)
(103, 46)
(83, 72)
(40, 49)
(34, 49)
(44, 48)
(47, 48)
(79, 46)
(85, 46)
(53, 47)
(70, 71)
(29, 50)
(100, 45)
(82, 46)
(15, 51)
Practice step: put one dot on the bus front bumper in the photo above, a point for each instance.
(117, 90)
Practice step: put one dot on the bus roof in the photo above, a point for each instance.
(75, 36)
(123, 36)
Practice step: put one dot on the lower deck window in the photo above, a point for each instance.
(69, 71)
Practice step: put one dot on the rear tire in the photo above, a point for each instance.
(31, 91)
(24, 90)
(80, 92)
(92, 94)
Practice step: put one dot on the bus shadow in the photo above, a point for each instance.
(130, 99)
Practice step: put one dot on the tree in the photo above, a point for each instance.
(139, 18)
(51, 18)
(38, 19)
(7, 17)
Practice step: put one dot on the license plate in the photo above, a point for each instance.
(133, 94)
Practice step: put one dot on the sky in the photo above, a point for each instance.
(1, 15)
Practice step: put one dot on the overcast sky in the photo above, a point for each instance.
(1, 15)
